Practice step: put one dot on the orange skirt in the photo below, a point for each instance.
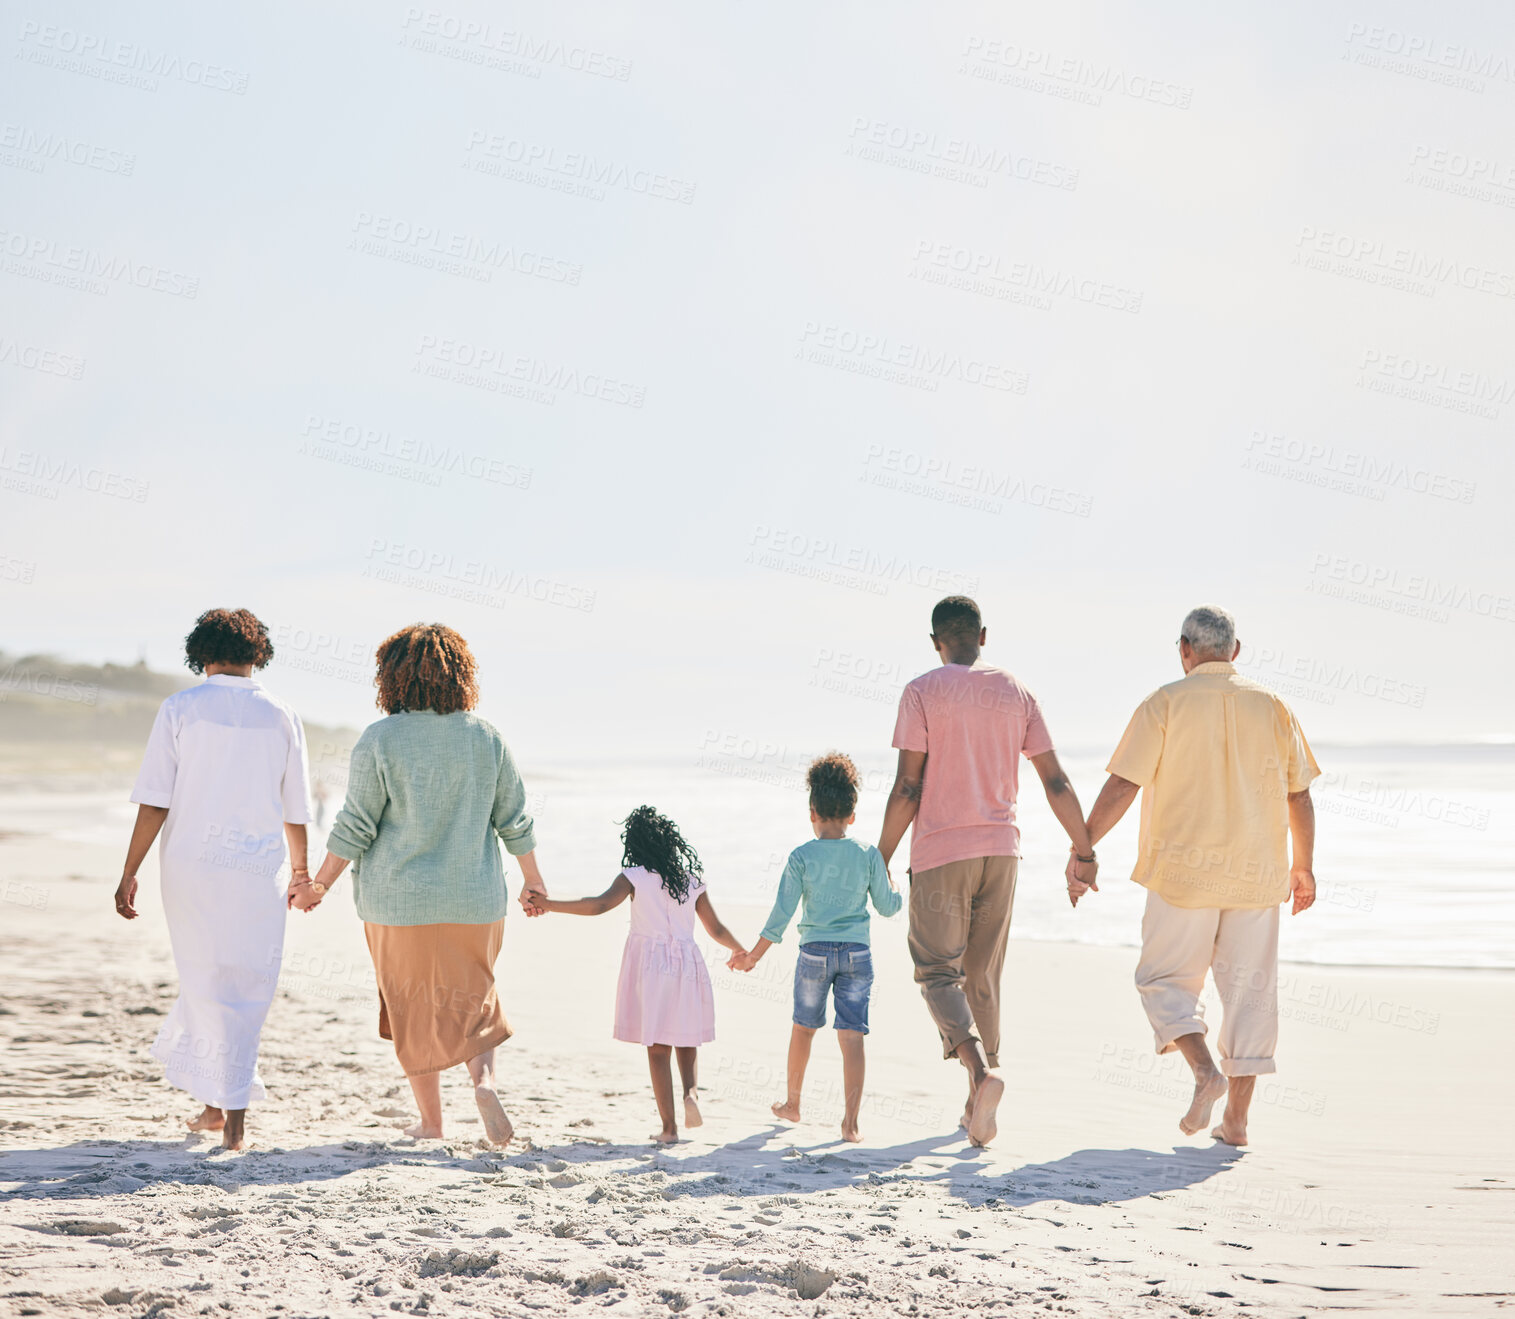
(437, 998)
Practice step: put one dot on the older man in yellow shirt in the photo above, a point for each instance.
(1224, 771)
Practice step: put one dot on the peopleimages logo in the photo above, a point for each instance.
(1354, 465)
(498, 370)
(1415, 594)
(435, 247)
(520, 51)
(54, 262)
(44, 145)
(470, 580)
(879, 354)
(100, 56)
(1076, 74)
(540, 162)
(51, 473)
(955, 158)
(823, 553)
(1378, 260)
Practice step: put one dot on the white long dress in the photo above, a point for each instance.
(228, 761)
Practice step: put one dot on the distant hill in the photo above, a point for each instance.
(89, 721)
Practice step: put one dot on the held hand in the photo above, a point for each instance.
(740, 961)
(126, 898)
(1302, 887)
(534, 902)
(529, 890)
(1082, 877)
(302, 897)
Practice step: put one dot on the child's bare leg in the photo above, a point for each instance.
(232, 1132)
(659, 1064)
(210, 1119)
(799, 1059)
(852, 1081)
(689, 1077)
(428, 1092)
(481, 1072)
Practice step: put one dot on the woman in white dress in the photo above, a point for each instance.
(225, 779)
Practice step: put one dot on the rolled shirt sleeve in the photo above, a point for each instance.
(791, 885)
(296, 786)
(357, 823)
(511, 822)
(160, 762)
(1141, 746)
(886, 900)
(1302, 767)
(910, 724)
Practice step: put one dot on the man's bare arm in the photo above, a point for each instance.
(1063, 801)
(1114, 801)
(904, 801)
(1302, 830)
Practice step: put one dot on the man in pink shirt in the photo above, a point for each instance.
(961, 731)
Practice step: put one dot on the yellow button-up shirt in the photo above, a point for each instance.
(1216, 756)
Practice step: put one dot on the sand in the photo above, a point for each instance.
(1381, 1180)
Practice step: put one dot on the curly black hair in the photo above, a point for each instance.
(654, 842)
(227, 636)
(833, 783)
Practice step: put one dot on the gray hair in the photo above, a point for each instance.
(1210, 630)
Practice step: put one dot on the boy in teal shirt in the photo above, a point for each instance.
(835, 876)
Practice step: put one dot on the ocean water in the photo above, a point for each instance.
(1413, 854)
(1414, 857)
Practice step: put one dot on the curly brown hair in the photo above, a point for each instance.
(833, 781)
(227, 636)
(426, 666)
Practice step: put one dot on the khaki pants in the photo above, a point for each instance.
(1240, 945)
(959, 924)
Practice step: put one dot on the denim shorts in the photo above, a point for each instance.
(846, 969)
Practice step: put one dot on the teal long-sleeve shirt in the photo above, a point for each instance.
(835, 878)
(430, 797)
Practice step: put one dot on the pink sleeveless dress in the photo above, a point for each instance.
(664, 995)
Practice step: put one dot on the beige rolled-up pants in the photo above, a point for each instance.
(959, 925)
(1240, 946)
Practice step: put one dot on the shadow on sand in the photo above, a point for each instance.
(766, 1163)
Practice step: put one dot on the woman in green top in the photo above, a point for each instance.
(431, 792)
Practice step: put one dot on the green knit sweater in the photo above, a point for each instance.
(427, 796)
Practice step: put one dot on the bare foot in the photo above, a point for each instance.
(786, 1111)
(850, 1132)
(668, 1136)
(692, 1116)
(232, 1134)
(982, 1128)
(1206, 1092)
(496, 1125)
(1232, 1135)
(210, 1119)
(423, 1132)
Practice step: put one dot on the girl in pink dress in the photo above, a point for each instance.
(664, 998)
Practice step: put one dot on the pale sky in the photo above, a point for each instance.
(794, 321)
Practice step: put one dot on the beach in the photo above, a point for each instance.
(1381, 1178)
